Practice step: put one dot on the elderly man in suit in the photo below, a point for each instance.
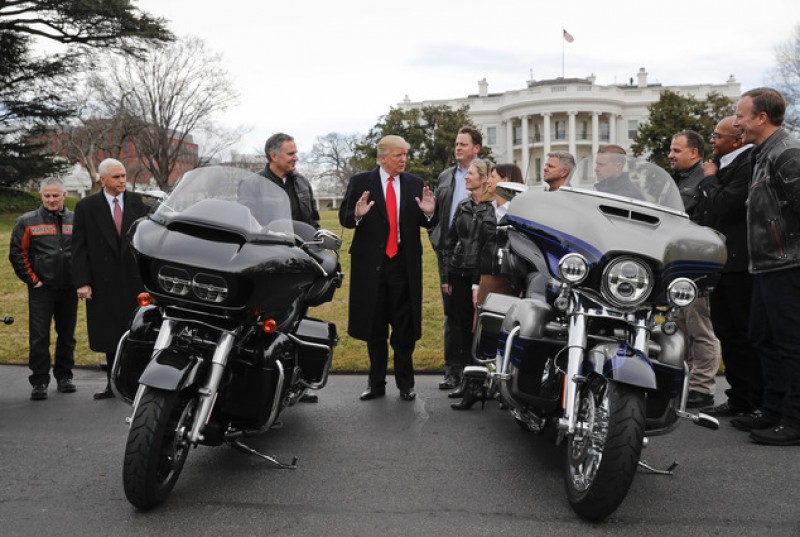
(387, 207)
(103, 268)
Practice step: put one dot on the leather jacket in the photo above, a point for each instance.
(41, 248)
(773, 215)
(689, 186)
(472, 222)
(444, 201)
(301, 196)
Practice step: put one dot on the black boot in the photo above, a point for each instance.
(474, 391)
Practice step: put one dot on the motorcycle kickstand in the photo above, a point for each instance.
(238, 445)
(668, 471)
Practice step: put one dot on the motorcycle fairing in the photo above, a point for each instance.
(168, 369)
(594, 226)
(620, 362)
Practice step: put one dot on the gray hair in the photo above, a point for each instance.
(107, 164)
(51, 181)
(565, 160)
(275, 142)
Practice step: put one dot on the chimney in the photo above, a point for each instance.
(483, 88)
(642, 77)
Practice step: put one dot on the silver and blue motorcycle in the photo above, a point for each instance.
(591, 347)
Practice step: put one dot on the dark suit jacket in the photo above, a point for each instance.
(104, 260)
(367, 250)
(723, 207)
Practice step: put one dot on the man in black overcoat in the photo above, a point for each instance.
(723, 207)
(386, 267)
(103, 268)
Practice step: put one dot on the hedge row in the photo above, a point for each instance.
(15, 201)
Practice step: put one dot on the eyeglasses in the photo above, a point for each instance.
(722, 135)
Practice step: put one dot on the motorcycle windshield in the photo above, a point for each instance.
(229, 199)
(632, 179)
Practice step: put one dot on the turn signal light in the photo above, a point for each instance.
(269, 326)
(144, 299)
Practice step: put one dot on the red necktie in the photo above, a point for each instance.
(391, 211)
(117, 216)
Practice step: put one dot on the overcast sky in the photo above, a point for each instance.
(310, 67)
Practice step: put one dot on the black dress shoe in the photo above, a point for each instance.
(370, 394)
(699, 399)
(407, 395)
(782, 435)
(105, 394)
(755, 421)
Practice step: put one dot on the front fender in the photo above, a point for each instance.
(169, 369)
(622, 363)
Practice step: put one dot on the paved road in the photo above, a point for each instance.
(381, 468)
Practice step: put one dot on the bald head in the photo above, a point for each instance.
(726, 137)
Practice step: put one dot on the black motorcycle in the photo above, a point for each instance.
(221, 343)
(592, 349)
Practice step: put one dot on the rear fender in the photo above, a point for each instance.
(622, 363)
(170, 370)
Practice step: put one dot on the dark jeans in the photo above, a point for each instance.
(775, 333)
(44, 305)
(730, 315)
(461, 312)
(394, 309)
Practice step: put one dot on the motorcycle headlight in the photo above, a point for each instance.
(209, 287)
(681, 292)
(627, 282)
(573, 268)
(174, 280)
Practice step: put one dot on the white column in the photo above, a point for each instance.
(612, 128)
(571, 135)
(525, 148)
(546, 133)
(510, 140)
(595, 132)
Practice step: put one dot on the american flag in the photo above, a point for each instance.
(568, 36)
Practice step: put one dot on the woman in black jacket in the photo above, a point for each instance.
(472, 220)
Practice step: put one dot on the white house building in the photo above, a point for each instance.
(564, 114)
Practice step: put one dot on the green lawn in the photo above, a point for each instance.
(350, 355)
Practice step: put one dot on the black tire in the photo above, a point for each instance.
(601, 468)
(156, 448)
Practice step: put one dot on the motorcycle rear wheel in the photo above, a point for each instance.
(604, 451)
(157, 447)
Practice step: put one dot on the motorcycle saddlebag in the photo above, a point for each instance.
(135, 350)
(315, 351)
(490, 321)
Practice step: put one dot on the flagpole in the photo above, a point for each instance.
(562, 51)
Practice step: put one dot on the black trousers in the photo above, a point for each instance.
(46, 304)
(393, 310)
(730, 316)
(461, 312)
(774, 322)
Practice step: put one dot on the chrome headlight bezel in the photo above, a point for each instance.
(627, 282)
(681, 292)
(174, 280)
(573, 268)
(210, 287)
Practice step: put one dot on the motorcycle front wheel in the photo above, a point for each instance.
(603, 453)
(157, 447)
